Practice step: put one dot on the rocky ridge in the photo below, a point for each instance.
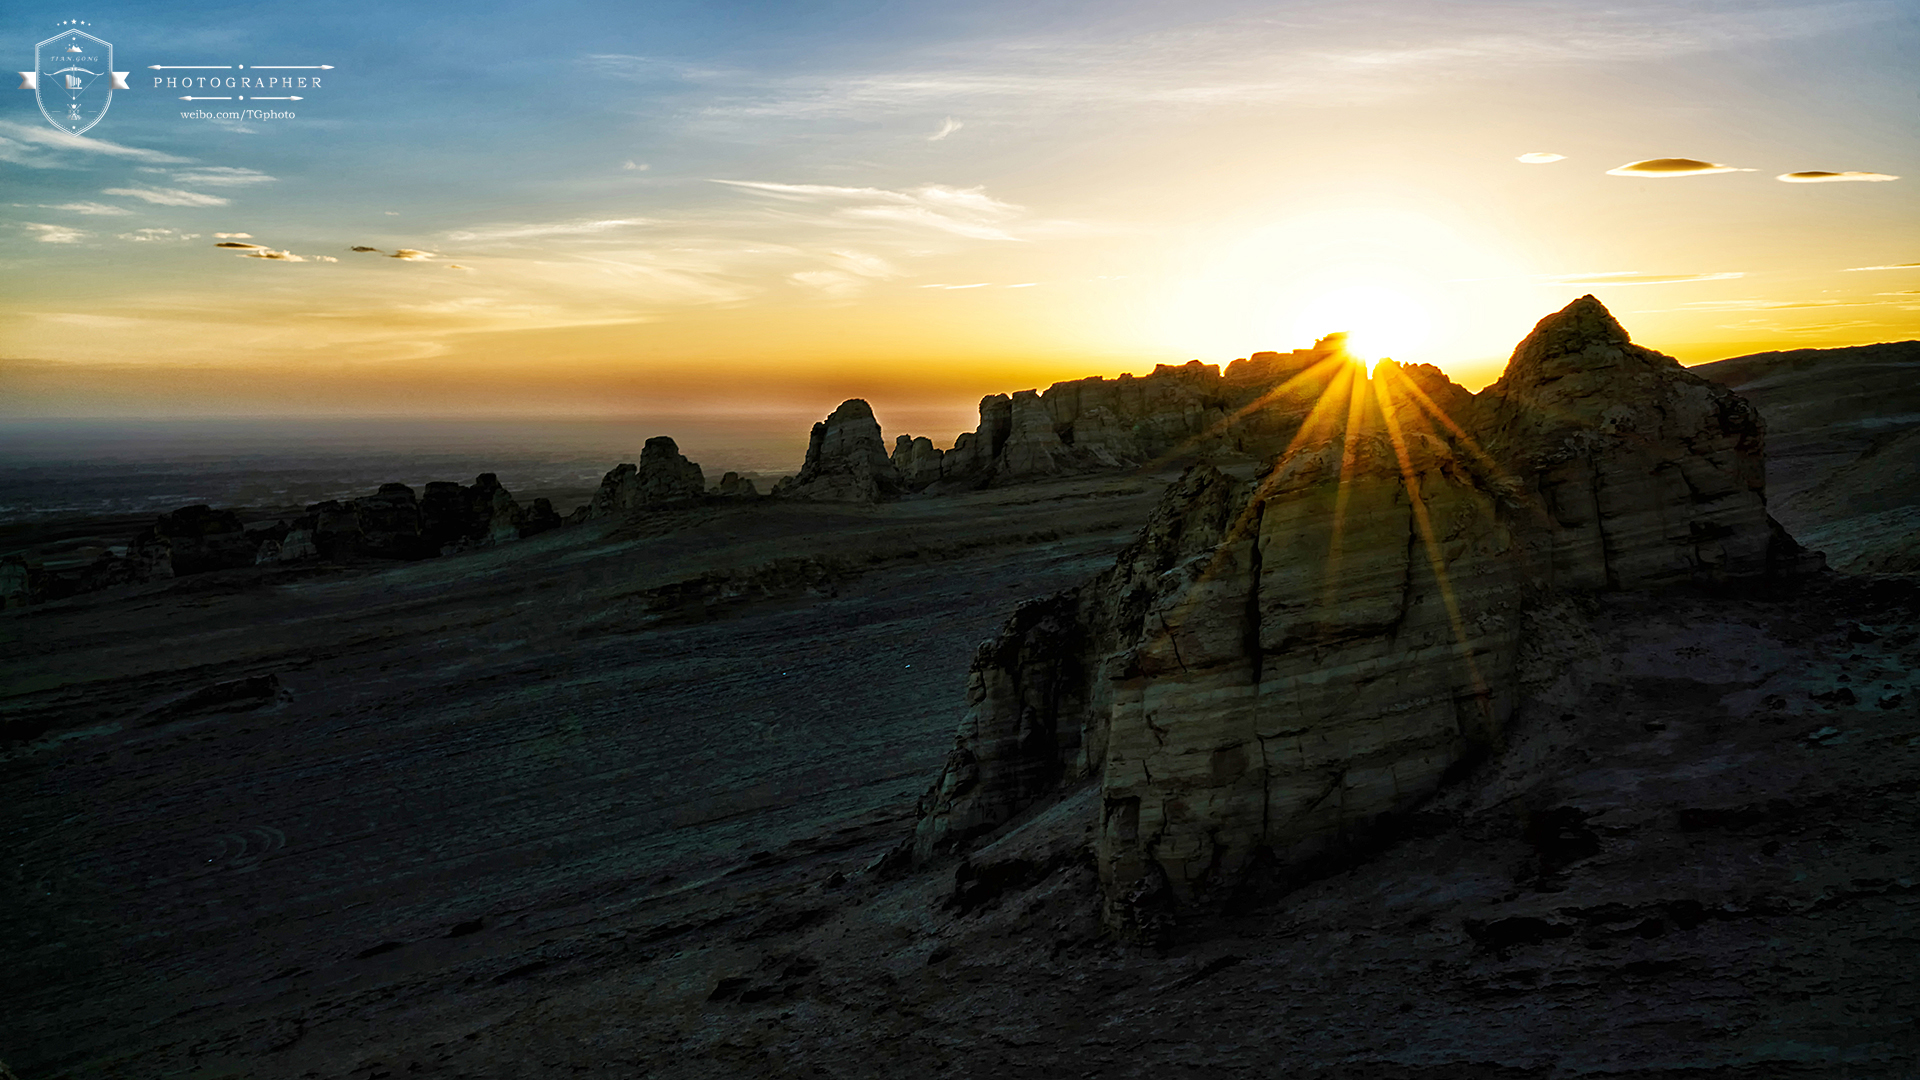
(1282, 665)
(1087, 425)
(1186, 411)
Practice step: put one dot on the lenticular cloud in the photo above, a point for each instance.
(1817, 177)
(1671, 166)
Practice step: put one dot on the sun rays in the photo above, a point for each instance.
(1361, 414)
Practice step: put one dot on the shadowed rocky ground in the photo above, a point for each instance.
(629, 799)
(536, 811)
(1843, 457)
(467, 769)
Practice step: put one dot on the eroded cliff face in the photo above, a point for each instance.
(1282, 664)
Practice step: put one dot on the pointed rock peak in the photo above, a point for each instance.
(660, 446)
(1583, 323)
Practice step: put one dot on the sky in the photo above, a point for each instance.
(598, 209)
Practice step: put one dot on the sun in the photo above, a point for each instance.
(1403, 280)
(1380, 321)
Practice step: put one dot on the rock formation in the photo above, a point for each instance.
(663, 476)
(390, 524)
(1190, 410)
(916, 460)
(846, 460)
(192, 540)
(735, 486)
(453, 516)
(1280, 665)
(384, 525)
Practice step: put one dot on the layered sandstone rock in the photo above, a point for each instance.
(846, 460)
(663, 475)
(1281, 665)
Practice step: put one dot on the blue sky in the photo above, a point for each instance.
(933, 199)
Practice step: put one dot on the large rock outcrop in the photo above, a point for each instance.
(1281, 665)
(847, 460)
(663, 475)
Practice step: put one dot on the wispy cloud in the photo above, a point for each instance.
(1340, 54)
(1753, 304)
(149, 235)
(168, 196)
(41, 147)
(947, 127)
(534, 231)
(1540, 158)
(53, 234)
(1629, 277)
(94, 208)
(221, 176)
(1894, 266)
(832, 284)
(969, 212)
(635, 68)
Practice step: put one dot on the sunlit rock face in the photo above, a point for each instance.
(663, 475)
(1281, 665)
(846, 460)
